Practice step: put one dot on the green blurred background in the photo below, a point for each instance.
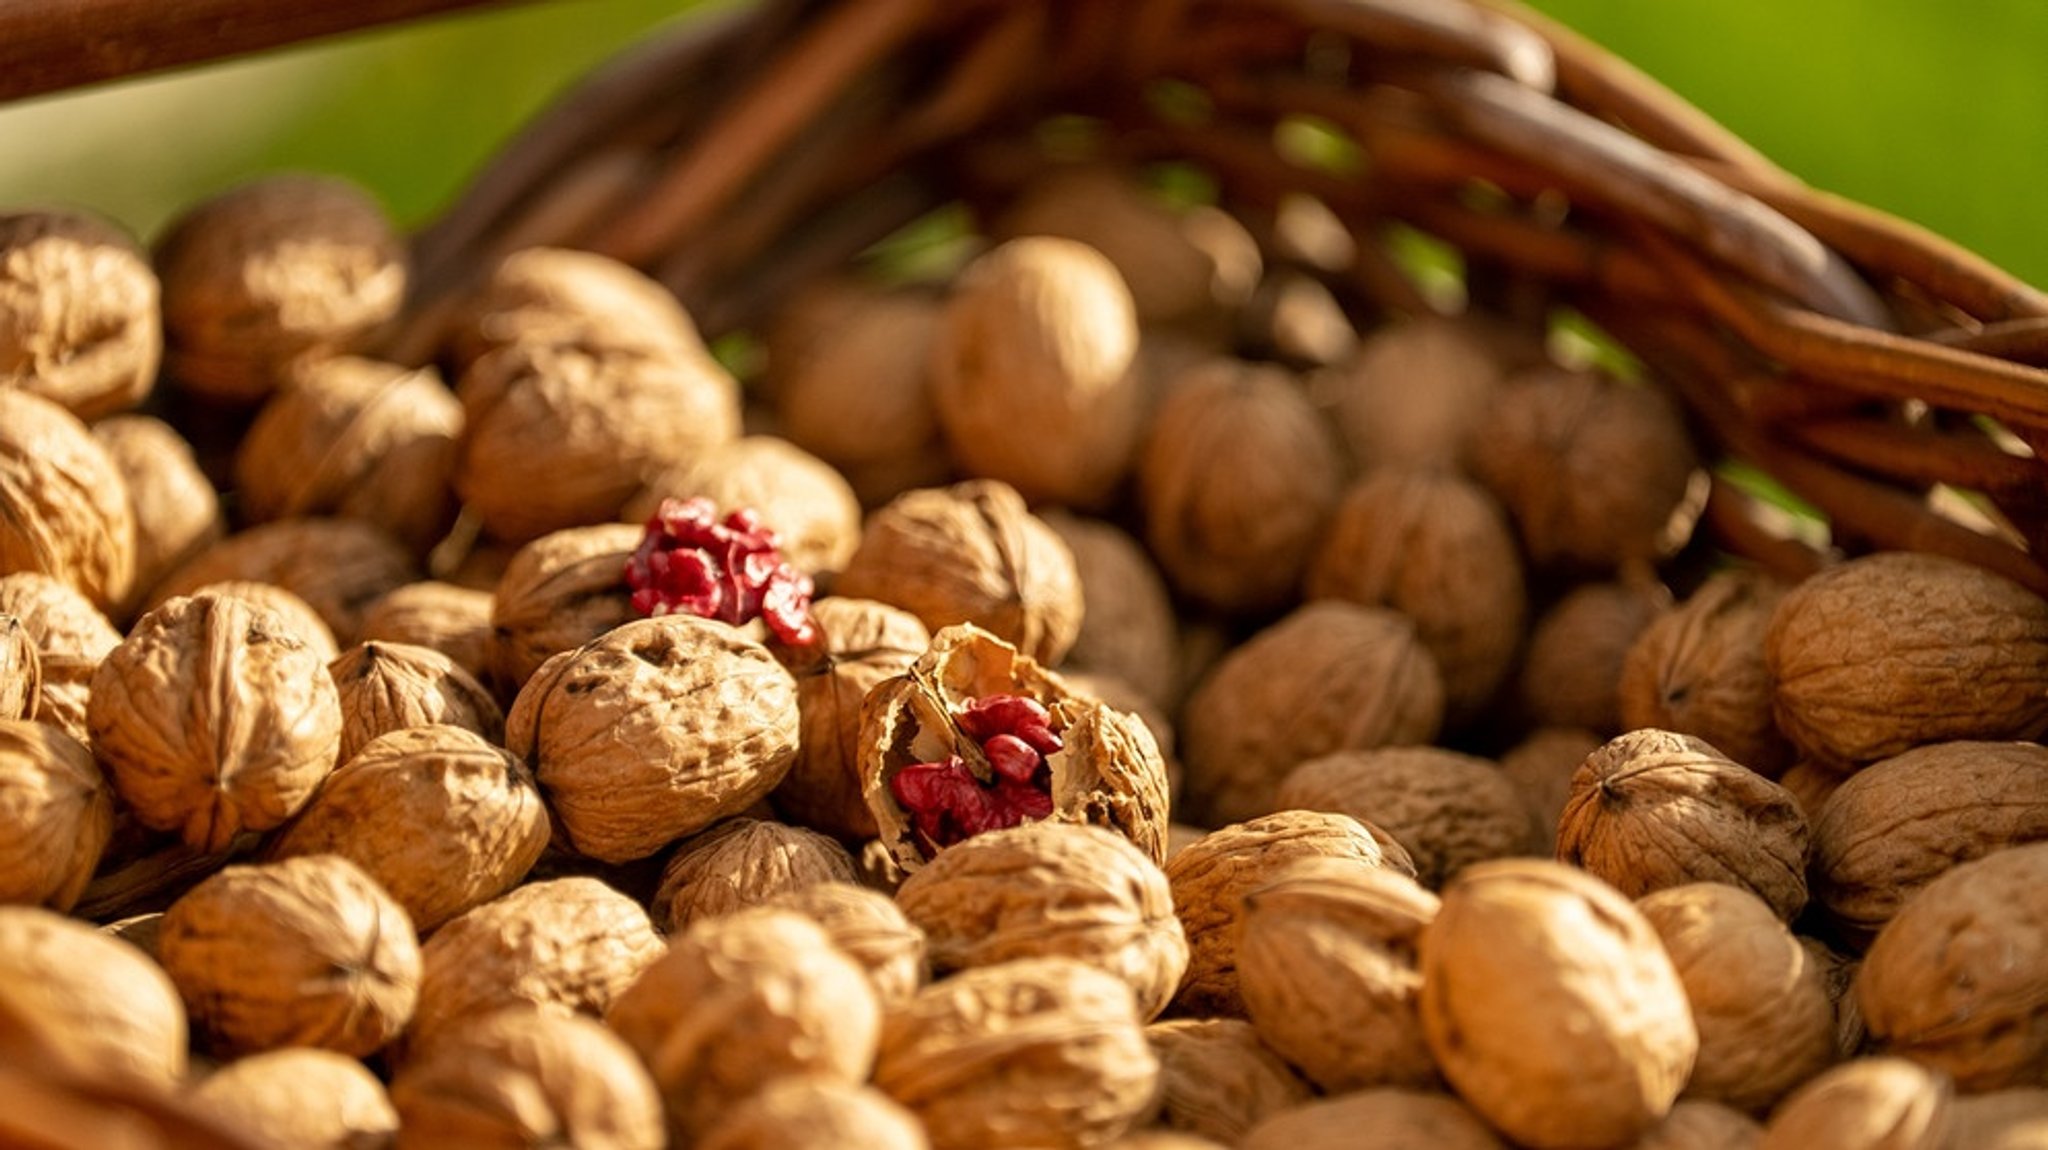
(1936, 111)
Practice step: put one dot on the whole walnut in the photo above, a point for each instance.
(1541, 767)
(338, 566)
(1414, 393)
(70, 637)
(1868, 1104)
(1447, 808)
(1699, 669)
(1696, 1124)
(1129, 629)
(115, 1008)
(1218, 1079)
(559, 592)
(971, 553)
(2013, 1119)
(1437, 548)
(79, 321)
(1551, 1006)
(455, 621)
(739, 863)
(813, 512)
(280, 268)
(300, 1096)
(869, 928)
(177, 513)
(1236, 480)
(297, 615)
(1571, 671)
(1033, 371)
(817, 1111)
(1330, 676)
(385, 687)
(64, 506)
(1294, 318)
(303, 952)
(214, 719)
(56, 813)
(654, 731)
(1386, 1116)
(21, 671)
(1812, 783)
(563, 296)
(1896, 649)
(847, 372)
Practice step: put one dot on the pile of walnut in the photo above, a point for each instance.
(1103, 700)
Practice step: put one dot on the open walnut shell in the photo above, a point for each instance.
(1108, 771)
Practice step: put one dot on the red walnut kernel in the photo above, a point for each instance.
(949, 801)
(725, 569)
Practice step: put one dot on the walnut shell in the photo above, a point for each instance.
(279, 268)
(1414, 393)
(2015, 1119)
(1211, 876)
(1047, 890)
(1448, 809)
(847, 372)
(523, 1077)
(116, 1009)
(559, 592)
(71, 637)
(563, 296)
(1326, 964)
(654, 731)
(1759, 1000)
(1654, 809)
(1571, 670)
(1699, 669)
(1331, 676)
(177, 513)
(1695, 1124)
(21, 671)
(1218, 1079)
(307, 1098)
(79, 321)
(740, 863)
(1295, 319)
(303, 952)
(1236, 479)
(870, 929)
(1541, 767)
(1897, 649)
(813, 511)
(1838, 974)
(294, 613)
(386, 687)
(741, 1000)
(1388, 1116)
(455, 621)
(1040, 1052)
(1129, 630)
(338, 566)
(814, 1110)
(1551, 1006)
(214, 720)
(63, 504)
(56, 813)
(1868, 1104)
(441, 818)
(971, 553)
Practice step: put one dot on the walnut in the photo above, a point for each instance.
(63, 504)
(304, 952)
(177, 513)
(1331, 676)
(1235, 481)
(1812, 783)
(1326, 964)
(359, 439)
(1897, 649)
(1653, 809)
(654, 731)
(815, 1110)
(70, 636)
(1414, 394)
(1040, 1052)
(1437, 548)
(559, 592)
(79, 322)
(111, 1005)
(1211, 876)
(971, 553)
(307, 1098)
(1295, 319)
(562, 296)
(1874, 1103)
(1448, 809)
(441, 818)
(1129, 630)
(1218, 1079)
(523, 1077)
(1541, 767)
(814, 513)
(295, 614)
(869, 928)
(1759, 1000)
(278, 269)
(1551, 1006)
(1699, 669)
(214, 720)
(741, 1000)
(2013, 1119)
(1695, 1124)
(56, 813)
(1388, 1116)
(1121, 696)
(847, 372)
(21, 671)
(455, 621)
(1838, 974)
(740, 863)
(386, 687)
(338, 566)
(1571, 671)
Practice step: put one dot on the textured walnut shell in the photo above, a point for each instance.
(1236, 478)
(847, 374)
(1330, 676)
(569, 945)
(524, 1077)
(1892, 650)
(1759, 1000)
(21, 671)
(307, 1098)
(562, 296)
(860, 643)
(276, 269)
(1049, 890)
(338, 566)
(297, 616)
(1699, 669)
(559, 592)
(1437, 548)
(740, 863)
(441, 818)
(1211, 876)
(814, 513)
(1387, 1116)
(455, 621)
(63, 504)
(1295, 319)
(1129, 630)
(1571, 670)
(1040, 1052)
(1954, 980)
(358, 439)
(1868, 1104)
(1695, 1124)
(386, 687)
(111, 1006)
(56, 813)
(1838, 974)
(1653, 809)
(971, 553)
(177, 513)
(1448, 809)
(1541, 767)
(741, 1000)
(1217, 1079)
(814, 1110)
(304, 952)
(1108, 773)
(79, 321)
(1326, 964)
(1413, 394)
(654, 731)
(1551, 1006)
(869, 928)
(2015, 1119)
(595, 422)
(71, 636)
(213, 720)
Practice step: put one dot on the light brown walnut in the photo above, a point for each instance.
(1447, 808)
(176, 510)
(110, 1005)
(1571, 670)
(386, 687)
(338, 566)
(80, 323)
(814, 513)
(1218, 1079)
(71, 636)
(739, 863)
(557, 593)
(21, 671)
(1414, 393)
(455, 621)
(1694, 1124)
(2015, 1119)
(869, 928)
(1541, 767)
(818, 1112)
(563, 296)
(1699, 669)
(1129, 630)
(56, 813)
(1386, 1116)
(847, 372)
(1867, 1104)
(64, 507)
(301, 1097)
